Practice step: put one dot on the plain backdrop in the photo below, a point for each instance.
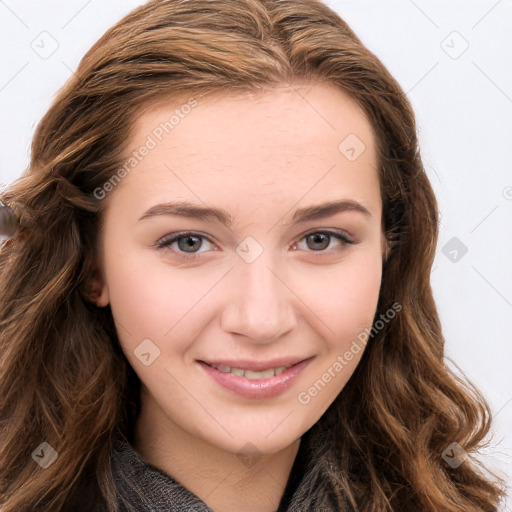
(451, 58)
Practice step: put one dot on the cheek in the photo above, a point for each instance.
(141, 304)
(153, 301)
(346, 307)
(346, 297)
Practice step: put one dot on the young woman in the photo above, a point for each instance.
(218, 294)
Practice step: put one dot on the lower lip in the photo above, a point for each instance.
(257, 388)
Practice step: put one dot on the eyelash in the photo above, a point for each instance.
(166, 242)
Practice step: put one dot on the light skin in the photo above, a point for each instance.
(261, 157)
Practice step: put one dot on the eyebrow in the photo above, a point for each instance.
(194, 211)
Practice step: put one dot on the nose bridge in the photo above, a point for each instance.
(260, 307)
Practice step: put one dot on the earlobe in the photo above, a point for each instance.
(98, 290)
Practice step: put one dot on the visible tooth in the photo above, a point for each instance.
(266, 374)
(248, 374)
(237, 371)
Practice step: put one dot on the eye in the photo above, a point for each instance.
(318, 241)
(187, 242)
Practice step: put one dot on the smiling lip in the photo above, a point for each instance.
(257, 388)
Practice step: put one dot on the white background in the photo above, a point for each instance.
(463, 101)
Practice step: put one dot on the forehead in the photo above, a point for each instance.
(278, 145)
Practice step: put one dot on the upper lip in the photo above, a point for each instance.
(255, 366)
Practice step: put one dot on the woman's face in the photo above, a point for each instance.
(272, 287)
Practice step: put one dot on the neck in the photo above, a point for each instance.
(225, 481)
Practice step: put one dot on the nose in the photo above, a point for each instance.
(259, 305)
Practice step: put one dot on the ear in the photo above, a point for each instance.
(97, 290)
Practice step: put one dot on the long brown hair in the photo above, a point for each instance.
(64, 379)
